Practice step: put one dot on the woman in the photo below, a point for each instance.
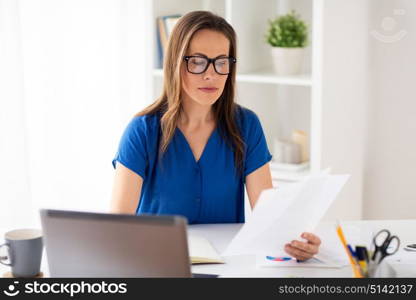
(191, 152)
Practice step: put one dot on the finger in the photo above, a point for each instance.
(309, 248)
(298, 254)
(301, 252)
(311, 238)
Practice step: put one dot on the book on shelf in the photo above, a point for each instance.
(165, 26)
(202, 252)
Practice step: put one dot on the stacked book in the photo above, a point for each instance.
(165, 26)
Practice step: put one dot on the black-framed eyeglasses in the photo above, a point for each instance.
(199, 64)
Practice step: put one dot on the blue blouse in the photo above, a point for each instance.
(205, 191)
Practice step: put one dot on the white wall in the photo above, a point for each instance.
(345, 98)
(389, 185)
(72, 75)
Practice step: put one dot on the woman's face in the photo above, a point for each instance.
(207, 87)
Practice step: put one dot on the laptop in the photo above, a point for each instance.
(85, 244)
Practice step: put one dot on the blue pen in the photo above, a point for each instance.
(353, 254)
(355, 257)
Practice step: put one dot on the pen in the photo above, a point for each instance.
(353, 254)
(362, 257)
(364, 251)
(358, 260)
(355, 266)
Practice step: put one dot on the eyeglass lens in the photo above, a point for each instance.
(198, 65)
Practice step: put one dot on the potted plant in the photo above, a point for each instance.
(288, 36)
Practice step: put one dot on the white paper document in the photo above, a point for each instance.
(283, 214)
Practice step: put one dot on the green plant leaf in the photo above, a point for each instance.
(287, 31)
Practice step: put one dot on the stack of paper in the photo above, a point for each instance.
(202, 252)
(282, 215)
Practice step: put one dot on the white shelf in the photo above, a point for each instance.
(284, 173)
(269, 77)
(289, 176)
(264, 77)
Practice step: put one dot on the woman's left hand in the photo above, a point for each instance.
(304, 250)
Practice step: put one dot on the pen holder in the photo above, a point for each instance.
(382, 270)
(373, 269)
(356, 271)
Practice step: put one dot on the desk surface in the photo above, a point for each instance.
(245, 265)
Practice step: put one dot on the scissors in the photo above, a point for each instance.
(385, 245)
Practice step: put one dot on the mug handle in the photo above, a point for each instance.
(5, 257)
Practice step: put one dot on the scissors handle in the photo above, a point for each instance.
(390, 245)
(381, 238)
(383, 245)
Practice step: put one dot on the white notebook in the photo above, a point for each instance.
(202, 252)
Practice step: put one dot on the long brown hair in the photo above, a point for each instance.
(169, 102)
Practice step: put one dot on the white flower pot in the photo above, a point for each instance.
(287, 61)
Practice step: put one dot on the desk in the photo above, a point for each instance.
(245, 265)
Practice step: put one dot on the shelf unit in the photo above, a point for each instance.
(283, 103)
(327, 101)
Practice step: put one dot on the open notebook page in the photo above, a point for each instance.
(202, 252)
